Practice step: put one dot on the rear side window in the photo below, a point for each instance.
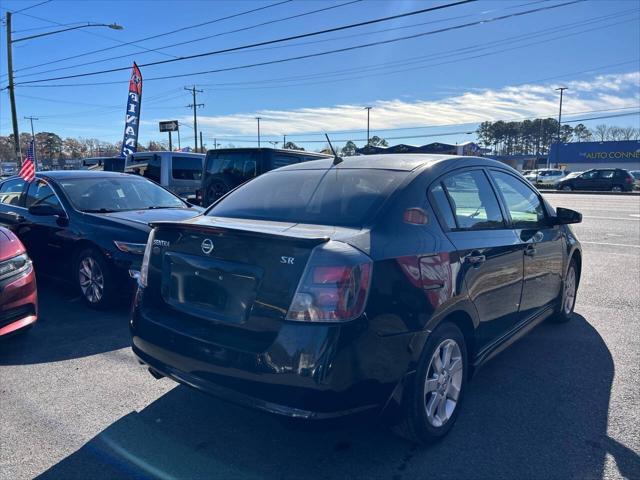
(474, 204)
(524, 206)
(345, 197)
(240, 165)
(279, 160)
(11, 191)
(186, 168)
(607, 173)
(439, 197)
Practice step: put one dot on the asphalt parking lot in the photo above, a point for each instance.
(564, 402)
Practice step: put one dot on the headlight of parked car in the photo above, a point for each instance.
(135, 248)
(14, 265)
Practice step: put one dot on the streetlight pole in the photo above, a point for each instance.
(561, 89)
(11, 86)
(258, 119)
(33, 137)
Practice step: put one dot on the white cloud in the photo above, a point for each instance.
(512, 102)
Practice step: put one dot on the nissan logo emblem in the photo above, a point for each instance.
(207, 246)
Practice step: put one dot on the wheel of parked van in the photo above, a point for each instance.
(93, 278)
(567, 299)
(431, 404)
(616, 188)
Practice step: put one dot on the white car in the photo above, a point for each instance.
(547, 177)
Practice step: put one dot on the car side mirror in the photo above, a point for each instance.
(565, 216)
(43, 210)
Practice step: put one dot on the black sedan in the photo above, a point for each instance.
(377, 283)
(88, 227)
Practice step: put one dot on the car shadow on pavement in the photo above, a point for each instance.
(66, 328)
(539, 410)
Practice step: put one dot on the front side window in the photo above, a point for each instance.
(607, 173)
(40, 193)
(523, 203)
(186, 168)
(11, 191)
(473, 201)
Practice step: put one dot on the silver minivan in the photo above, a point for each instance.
(180, 172)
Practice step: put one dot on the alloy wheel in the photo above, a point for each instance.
(91, 280)
(616, 189)
(566, 188)
(443, 382)
(569, 291)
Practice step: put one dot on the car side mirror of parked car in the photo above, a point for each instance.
(44, 210)
(565, 216)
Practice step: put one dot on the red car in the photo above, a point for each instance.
(18, 292)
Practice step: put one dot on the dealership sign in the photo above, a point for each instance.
(132, 117)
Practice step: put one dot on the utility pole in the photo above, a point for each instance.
(368, 109)
(179, 146)
(33, 137)
(195, 105)
(12, 95)
(284, 141)
(201, 145)
(215, 143)
(258, 119)
(562, 89)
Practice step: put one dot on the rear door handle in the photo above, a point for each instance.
(476, 259)
(530, 251)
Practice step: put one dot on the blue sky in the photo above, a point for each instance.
(444, 82)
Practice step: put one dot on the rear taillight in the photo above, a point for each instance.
(628, 179)
(334, 286)
(144, 269)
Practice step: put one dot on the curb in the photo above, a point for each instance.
(588, 192)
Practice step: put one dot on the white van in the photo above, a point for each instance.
(180, 172)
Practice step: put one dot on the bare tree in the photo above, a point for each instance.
(628, 133)
(601, 132)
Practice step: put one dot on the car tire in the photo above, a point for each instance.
(432, 400)
(567, 188)
(93, 278)
(616, 188)
(567, 298)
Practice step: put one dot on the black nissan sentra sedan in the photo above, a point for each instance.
(88, 227)
(376, 283)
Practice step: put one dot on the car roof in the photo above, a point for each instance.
(402, 161)
(278, 150)
(62, 174)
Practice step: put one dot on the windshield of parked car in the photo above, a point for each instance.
(116, 194)
(345, 197)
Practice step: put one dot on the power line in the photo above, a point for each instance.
(300, 57)
(249, 27)
(32, 6)
(171, 32)
(270, 42)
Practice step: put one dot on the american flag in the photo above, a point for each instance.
(28, 170)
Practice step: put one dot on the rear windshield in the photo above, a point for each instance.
(186, 168)
(344, 197)
(241, 165)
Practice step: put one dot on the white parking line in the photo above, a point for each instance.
(612, 244)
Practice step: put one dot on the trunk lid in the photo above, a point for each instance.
(234, 272)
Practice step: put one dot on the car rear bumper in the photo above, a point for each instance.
(306, 371)
(18, 302)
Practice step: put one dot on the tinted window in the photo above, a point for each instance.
(439, 197)
(241, 165)
(607, 173)
(146, 166)
(347, 197)
(40, 193)
(474, 203)
(279, 160)
(589, 175)
(523, 203)
(186, 168)
(11, 191)
(117, 194)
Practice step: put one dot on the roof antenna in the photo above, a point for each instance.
(336, 158)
